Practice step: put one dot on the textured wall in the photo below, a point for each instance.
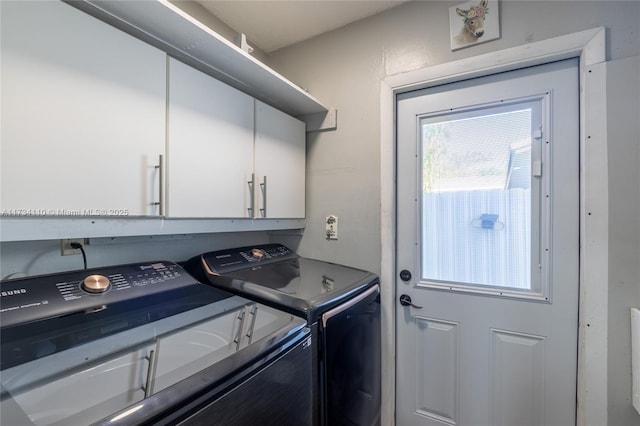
(623, 111)
(344, 69)
(43, 257)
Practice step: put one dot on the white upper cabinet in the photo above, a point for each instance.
(279, 164)
(165, 25)
(209, 146)
(83, 114)
(99, 124)
(225, 162)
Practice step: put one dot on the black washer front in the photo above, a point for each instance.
(341, 305)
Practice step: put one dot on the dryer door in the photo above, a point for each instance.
(351, 345)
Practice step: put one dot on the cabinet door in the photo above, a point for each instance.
(280, 163)
(209, 148)
(193, 349)
(83, 114)
(86, 395)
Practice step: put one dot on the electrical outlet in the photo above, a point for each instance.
(331, 225)
(65, 246)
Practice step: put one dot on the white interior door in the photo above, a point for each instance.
(487, 250)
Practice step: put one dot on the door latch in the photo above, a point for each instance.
(405, 300)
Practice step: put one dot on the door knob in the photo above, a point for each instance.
(405, 300)
(405, 275)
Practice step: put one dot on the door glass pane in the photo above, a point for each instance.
(477, 197)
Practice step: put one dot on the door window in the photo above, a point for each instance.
(484, 212)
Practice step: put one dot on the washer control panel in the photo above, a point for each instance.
(34, 298)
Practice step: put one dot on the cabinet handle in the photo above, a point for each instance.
(151, 372)
(160, 202)
(254, 314)
(263, 186)
(240, 328)
(251, 194)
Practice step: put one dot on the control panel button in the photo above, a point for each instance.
(96, 284)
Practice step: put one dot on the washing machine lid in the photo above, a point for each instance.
(275, 275)
(46, 314)
(70, 356)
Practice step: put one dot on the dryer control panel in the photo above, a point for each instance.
(225, 261)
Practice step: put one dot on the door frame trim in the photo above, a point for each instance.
(590, 47)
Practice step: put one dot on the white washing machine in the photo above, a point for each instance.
(147, 344)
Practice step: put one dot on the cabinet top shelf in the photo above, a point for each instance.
(170, 29)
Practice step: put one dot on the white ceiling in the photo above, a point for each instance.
(274, 24)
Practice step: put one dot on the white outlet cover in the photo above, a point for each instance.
(331, 227)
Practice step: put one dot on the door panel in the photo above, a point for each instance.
(437, 353)
(516, 359)
(487, 223)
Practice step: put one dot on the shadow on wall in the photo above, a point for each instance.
(18, 259)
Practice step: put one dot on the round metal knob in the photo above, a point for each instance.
(95, 284)
(257, 253)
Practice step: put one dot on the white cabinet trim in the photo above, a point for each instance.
(33, 228)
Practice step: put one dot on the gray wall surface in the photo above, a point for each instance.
(623, 124)
(22, 258)
(344, 69)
